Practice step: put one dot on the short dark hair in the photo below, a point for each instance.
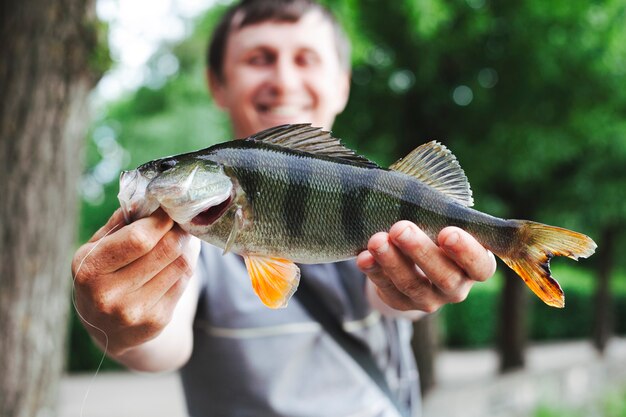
(248, 12)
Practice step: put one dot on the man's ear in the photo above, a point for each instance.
(216, 86)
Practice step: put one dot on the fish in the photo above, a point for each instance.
(295, 194)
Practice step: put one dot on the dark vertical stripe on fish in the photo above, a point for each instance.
(296, 197)
(407, 210)
(456, 215)
(354, 196)
(247, 175)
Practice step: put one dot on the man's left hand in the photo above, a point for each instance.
(411, 272)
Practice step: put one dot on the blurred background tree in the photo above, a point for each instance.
(49, 61)
(527, 94)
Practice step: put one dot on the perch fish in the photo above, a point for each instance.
(294, 193)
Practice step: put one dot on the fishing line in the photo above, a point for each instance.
(106, 337)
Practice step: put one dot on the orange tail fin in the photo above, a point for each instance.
(539, 244)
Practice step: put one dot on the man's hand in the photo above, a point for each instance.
(129, 281)
(411, 272)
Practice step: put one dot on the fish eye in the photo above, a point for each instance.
(166, 164)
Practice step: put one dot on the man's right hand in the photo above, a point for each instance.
(128, 282)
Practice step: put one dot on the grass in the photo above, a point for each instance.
(611, 404)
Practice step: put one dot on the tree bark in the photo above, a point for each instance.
(603, 319)
(513, 331)
(425, 344)
(44, 83)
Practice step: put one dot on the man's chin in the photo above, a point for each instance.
(270, 120)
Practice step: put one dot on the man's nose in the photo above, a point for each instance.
(286, 75)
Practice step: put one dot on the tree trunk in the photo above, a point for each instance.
(425, 344)
(44, 82)
(513, 333)
(603, 320)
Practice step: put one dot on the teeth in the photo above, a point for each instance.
(285, 110)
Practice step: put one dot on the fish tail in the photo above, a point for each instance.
(539, 243)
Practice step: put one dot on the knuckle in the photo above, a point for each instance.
(170, 246)
(413, 288)
(128, 316)
(405, 287)
(448, 284)
(457, 297)
(139, 242)
(83, 269)
(182, 266)
(104, 302)
(392, 301)
(164, 318)
(157, 322)
(83, 277)
(430, 307)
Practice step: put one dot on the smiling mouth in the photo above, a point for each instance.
(283, 110)
(212, 214)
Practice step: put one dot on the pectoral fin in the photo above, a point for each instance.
(274, 279)
(237, 225)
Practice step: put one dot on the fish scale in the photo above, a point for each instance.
(336, 223)
(293, 193)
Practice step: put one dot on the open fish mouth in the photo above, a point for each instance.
(213, 213)
(202, 212)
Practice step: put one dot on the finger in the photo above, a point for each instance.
(176, 273)
(367, 264)
(385, 287)
(171, 246)
(442, 271)
(398, 301)
(175, 292)
(400, 270)
(478, 263)
(163, 308)
(130, 243)
(115, 221)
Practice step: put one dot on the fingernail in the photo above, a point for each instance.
(451, 240)
(406, 235)
(382, 248)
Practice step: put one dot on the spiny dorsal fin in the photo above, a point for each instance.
(305, 138)
(433, 164)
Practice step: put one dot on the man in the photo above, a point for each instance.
(147, 297)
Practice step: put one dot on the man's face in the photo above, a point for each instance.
(282, 72)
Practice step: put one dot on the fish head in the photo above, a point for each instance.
(185, 188)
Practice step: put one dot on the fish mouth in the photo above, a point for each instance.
(212, 214)
(132, 198)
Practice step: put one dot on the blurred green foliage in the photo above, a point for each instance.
(610, 404)
(473, 323)
(527, 94)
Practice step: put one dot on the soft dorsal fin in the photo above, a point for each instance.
(305, 138)
(434, 165)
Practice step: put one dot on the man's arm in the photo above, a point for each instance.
(411, 272)
(130, 288)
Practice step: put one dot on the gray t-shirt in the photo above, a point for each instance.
(249, 360)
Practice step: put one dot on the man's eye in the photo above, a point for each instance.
(259, 59)
(306, 59)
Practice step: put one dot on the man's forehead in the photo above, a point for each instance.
(312, 30)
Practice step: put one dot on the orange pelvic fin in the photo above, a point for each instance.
(540, 243)
(274, 279)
